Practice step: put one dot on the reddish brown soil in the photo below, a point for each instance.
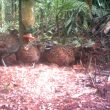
(49, 87)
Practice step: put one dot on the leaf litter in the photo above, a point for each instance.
(50, 87)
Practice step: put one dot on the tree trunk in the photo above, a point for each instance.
(21, 26)
(3, 13)
(26, 16)
(14, 12)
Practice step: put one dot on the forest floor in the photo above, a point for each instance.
(50, 87)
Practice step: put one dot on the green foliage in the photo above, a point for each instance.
(7, 18)
(55, 14)
(101, 7)
(58, 17)
(72, 22)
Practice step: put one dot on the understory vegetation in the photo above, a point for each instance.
(60, 20)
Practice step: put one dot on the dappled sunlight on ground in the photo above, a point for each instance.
(48, 87)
